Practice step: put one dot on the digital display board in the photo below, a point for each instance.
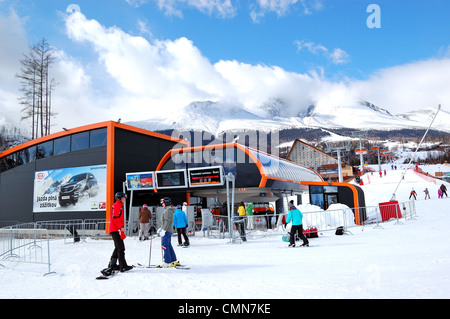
(171, 179)
(206, 176)
(140, 181)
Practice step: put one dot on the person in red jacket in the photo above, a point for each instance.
(117, 232)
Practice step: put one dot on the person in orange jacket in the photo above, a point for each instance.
(117, 232)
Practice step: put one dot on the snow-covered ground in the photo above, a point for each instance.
(408, 260)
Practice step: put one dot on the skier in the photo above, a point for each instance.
(444, 190)
(144, 220)
(440, 193)
(117, 232)
(180, 223)
(297, 226)
(427, 193)
(166, 230)
(413, 194)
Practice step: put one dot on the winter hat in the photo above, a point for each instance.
(145, 205)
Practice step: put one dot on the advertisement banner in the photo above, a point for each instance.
(140, 181)
(70, 189)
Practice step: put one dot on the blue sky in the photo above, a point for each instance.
(127, 52)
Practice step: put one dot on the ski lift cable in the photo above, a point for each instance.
(414, 155)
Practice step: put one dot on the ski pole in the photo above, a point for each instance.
(162, 253)
(150, 253)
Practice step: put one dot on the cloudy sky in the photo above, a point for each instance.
(137, 59)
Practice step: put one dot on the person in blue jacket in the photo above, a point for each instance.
(180, 223)
(297, 226)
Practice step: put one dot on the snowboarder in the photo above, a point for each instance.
(444, 190)
(180, 222)
(144, 221)
(166, 230)
(297, 226)
(427, 193)
(413, 194)
(117, 232)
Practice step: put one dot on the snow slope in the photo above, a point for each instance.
(410, 260)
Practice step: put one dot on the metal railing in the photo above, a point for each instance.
(30, 242)
(26, 243)
(329, 220)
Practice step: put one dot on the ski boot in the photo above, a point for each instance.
(112, 266)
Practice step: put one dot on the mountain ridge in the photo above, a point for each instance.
(218, 118)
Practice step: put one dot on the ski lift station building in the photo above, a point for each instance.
(74, 174)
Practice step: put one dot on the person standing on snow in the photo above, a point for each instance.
(297, 226)
(144, 221)
(117, 232)
(427, 193)
(166, 230)
(251, 222)
(180, 222)
(239, 221)
(444, 190)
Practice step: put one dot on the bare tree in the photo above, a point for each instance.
(37, 88)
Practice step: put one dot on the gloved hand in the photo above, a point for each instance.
(161, 232)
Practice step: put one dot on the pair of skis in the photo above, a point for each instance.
(184, 267)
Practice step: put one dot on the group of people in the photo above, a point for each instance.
(248, 211)
(441, 192)
(171, 219)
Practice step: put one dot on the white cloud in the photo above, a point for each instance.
(408, 87)
(221, 8)
(174, 73)
(336, 56)
(282, 7)
(136, 79)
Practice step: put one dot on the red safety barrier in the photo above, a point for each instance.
(390, 210)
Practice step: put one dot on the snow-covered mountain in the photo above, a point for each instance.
(218, 118)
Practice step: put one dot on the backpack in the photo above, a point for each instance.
(340, 230)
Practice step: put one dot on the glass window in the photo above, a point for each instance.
(313, 189)
(31, 153)
(62, 145)
(44, 150)
(98, 137)
(80, 141)
(330, 189)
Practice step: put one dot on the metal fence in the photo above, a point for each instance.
(30, 242)
(252, 227)
(26, 243)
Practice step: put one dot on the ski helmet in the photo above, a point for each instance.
(120, 195)
(166, 200)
